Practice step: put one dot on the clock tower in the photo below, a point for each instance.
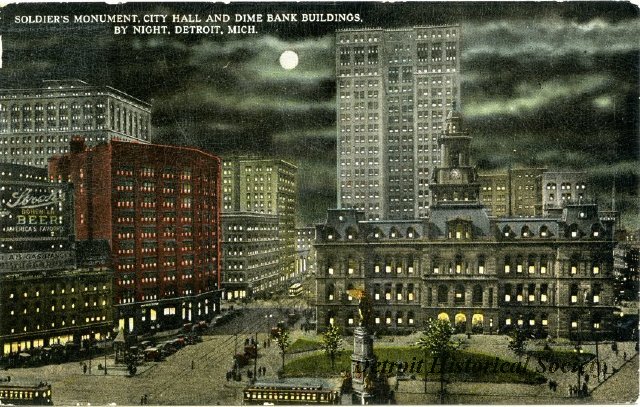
(455, 181)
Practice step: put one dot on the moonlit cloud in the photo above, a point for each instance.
(555, 81)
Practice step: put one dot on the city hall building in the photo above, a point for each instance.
(552, 275)
(53, 289)
(158, 207)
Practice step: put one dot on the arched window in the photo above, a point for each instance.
(573, 293)
(411, 292)
(481, 262)
(399, 293)
(351, 233)
(330, 292)
(573, 231)
(443, 294)
(596, 230)
(477, 294)
(394, 233)
(459, 294)
(531, 264)
(387, 292)
(411, 233)
(377, 234)
(544, 231)
(519, 264)
(525, 231)
(459, 264)
(411, 318)
(543, 264)
(508, 293)
(507, 233)
(507, 264)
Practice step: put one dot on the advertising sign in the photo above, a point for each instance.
(34, 211)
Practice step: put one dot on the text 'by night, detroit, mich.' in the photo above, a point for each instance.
(180, 23)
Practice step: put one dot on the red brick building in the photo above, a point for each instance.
(159, 207)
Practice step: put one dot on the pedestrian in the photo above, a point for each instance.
(570, 391)
(142, 400)
(624, 356)
(264, 344)
(193, 365)
(84, 368)
(604, 370)
(585, 390)
(146, 400)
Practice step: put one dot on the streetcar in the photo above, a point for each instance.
(32, 395)
(295, 290)
(290, 393)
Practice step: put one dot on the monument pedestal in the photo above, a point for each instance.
(363, 367)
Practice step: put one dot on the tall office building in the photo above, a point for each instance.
(250, 249)
(515, 192)
(395, 90)
(563, 187)
(158, 207)
(254, 191)
(37, 123)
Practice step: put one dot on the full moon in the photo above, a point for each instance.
(289, 60)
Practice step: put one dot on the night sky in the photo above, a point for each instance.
(556, 82)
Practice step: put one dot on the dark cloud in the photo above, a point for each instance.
(550, 84)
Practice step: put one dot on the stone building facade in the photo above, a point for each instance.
(38, 123)
(551, 275)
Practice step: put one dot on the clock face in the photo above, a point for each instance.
(455, 174)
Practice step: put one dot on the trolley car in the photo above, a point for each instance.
(295, 290)
(278, 393)
(18, 394)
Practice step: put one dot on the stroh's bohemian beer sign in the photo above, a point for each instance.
(32, 212)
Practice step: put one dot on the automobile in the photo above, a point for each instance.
(179, 342)
(152, 355)
(167, 348)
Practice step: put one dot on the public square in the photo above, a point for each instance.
(196, 374)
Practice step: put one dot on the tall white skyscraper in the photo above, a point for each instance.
(395, 90)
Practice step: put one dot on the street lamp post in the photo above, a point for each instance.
(255, 361)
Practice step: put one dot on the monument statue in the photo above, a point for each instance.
(365, 308)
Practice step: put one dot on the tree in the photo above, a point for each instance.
(518, 342)
(332, 343)
(437, 343)
(283, 341)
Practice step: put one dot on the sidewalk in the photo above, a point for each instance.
(620, 388)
